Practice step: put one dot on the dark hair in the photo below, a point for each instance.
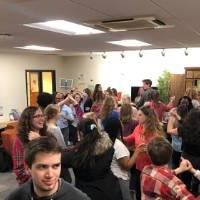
(45, 144)
(155, 95)
(189, 100)
(182, 110)
(85, 149)
(97, 94)
(160, 151)
(189, 130)
(114, 91)
(113, 127)
(109, 90)
(147, 81)
(44, 99)
(55, 94)
(88, 92)
(25, 124)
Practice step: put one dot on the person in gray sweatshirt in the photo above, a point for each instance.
(43, 159)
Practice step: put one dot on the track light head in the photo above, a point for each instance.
(140, 54)
(122, 54)
(91, 56)
(104, 55)
(186, 52)
(163, 52)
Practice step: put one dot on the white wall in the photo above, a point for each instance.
(12, 77)
(112, 71)
(124, 73)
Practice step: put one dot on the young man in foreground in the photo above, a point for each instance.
(43, 159)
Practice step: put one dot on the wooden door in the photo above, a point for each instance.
(38, 81)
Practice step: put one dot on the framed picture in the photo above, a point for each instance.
(66, 83)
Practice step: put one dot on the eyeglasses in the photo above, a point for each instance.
(38, 116)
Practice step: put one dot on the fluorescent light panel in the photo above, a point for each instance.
(38, 48)
(130, 43)
(64, 27)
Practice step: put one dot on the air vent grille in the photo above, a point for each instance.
(129, 24)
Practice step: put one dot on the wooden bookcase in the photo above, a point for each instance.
(192, 77)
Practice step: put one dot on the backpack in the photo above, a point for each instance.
(5, 161)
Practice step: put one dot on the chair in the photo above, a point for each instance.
(8, 136)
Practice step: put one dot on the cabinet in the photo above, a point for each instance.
(192, 77)
(177, 86)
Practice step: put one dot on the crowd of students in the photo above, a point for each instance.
(115, 148)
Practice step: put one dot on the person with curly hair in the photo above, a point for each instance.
(148, 128)
(31, 125)
(189, 131)
(177, 115)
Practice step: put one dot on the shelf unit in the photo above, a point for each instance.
(192, 77)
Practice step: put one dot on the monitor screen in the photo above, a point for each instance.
(134, 92)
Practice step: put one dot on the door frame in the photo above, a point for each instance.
(40, 80)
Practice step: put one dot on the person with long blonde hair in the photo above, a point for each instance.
(148, 128)
(108, 110)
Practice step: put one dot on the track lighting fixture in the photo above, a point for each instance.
(122, 54)
(186, 52)
(91, 56)
(140, 54)
(163, 52)
(104, 55)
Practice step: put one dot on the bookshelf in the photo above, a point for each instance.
(192, 77)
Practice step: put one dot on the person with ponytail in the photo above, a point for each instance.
(91, 160)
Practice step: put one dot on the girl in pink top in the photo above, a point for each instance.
(148, 128)
(159, 106)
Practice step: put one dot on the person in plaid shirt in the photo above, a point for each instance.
(158, 181)
(31, 125)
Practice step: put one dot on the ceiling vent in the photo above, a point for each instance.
(129, 24)
(6, 36)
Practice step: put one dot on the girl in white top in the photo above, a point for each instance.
(121, 162)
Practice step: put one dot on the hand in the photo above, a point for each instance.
(173, 112)
(172, 99)
(147, 103)
(185, 165)
(33, 135)
(140, 149)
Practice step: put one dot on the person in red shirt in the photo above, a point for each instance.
(159, 106)
(148, 128)
(158, 181)
(31, 125)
